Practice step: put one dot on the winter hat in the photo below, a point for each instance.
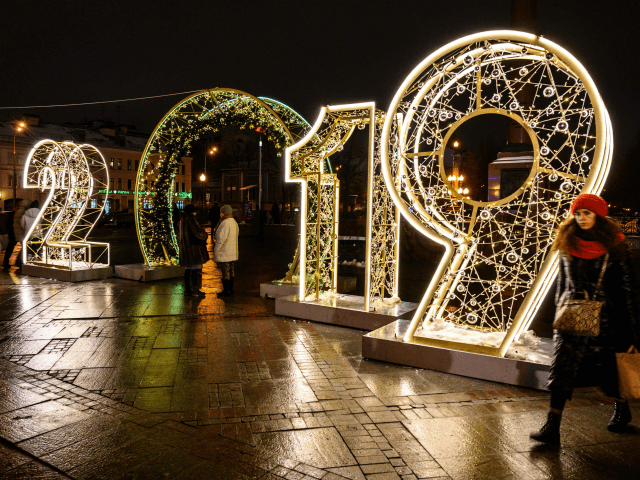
(189, 209)
(227, 210)
(591, 202)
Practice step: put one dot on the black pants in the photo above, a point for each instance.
(9, 251)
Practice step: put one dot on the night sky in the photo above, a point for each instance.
(303, 53)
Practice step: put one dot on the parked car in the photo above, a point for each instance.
(117, 219)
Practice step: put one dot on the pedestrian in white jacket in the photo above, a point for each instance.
(225, 253)
(29, 217)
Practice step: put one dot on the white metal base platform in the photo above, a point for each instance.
(144, 273)
(386, 344)
(280, 288)
(343, 310)
(98, 272)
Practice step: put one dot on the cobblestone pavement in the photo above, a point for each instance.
(116, 379)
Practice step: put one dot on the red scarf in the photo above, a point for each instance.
(590, 249)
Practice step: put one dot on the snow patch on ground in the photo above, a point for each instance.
(353, 262)
(387, 302)
(524, 348)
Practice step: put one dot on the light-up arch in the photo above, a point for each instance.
(205, 111)
(497, 267)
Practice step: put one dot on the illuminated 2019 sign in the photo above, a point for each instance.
(497, 267)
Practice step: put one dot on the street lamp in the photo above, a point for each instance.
(211, 152)
(260, 131)
(203, 177)
(18, 129)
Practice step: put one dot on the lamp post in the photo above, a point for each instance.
(260, 131)
(18, 128)
(203, 177)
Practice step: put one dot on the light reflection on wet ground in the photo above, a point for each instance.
(115, 379)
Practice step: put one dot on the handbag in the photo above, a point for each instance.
(629, 373)
(581, 317)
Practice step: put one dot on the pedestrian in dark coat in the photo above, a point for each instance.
(8, 251)
(193, 251)
(275, 213)
(583, 242)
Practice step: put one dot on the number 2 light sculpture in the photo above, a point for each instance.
(497, 267)
(77, 179)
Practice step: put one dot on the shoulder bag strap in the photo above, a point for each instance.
(604, 266)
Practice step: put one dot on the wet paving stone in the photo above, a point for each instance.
(117, 379)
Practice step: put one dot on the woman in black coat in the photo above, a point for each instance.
(193, 251)
(584, 241)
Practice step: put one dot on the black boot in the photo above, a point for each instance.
(621, 417)
(225, 289)
(188, 287)
(231, 281)
(197, 283)
(550, 431)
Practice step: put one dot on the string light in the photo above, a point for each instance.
(498, 252)
(76, 179)
(207, 111)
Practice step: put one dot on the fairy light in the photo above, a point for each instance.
(207, 111)
(306, 163)
(497, 252)
(74, 175)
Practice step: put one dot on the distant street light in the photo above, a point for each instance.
(203, 177)
(18, 129)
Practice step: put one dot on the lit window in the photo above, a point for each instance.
(111, 163)
(129, 164)
(119, 164)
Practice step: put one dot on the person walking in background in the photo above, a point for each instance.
(214, 218)
(9, 240)
(275, 213)
(225, 253)
(27, 221)
(589, 243)
(18, 234)
(193, 251)
(175, 219)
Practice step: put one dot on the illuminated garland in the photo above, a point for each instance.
(206, 111)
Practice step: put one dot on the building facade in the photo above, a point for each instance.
(120, 145)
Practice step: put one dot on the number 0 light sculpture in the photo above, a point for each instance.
(204, 112)
(497, 267)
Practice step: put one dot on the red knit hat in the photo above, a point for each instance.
(591, 202)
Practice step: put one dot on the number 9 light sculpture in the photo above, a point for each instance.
(497, 267)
